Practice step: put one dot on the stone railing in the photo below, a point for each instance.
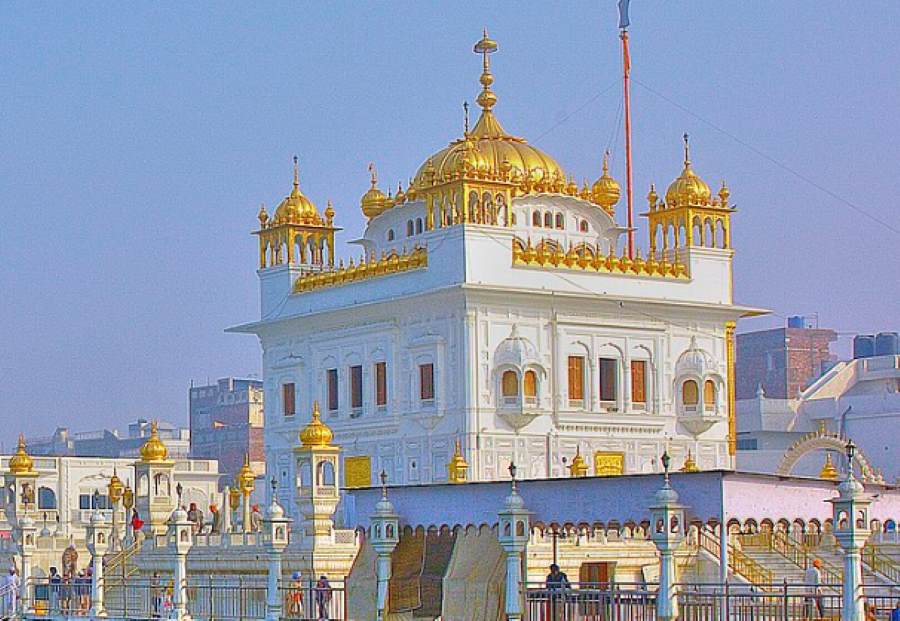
(388, 264)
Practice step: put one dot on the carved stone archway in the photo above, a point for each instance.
(824, 441)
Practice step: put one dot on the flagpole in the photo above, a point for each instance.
(626, 65)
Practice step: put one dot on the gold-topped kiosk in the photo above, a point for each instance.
(457, 468)
(578, 467)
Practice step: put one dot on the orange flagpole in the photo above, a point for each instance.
(626, 63)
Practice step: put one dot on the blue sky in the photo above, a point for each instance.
(138, 140)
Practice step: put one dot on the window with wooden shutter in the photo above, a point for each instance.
(510, 383)
(356, 399)
(576, 378)
(380, 383)
(690, 393)
(530, 384)
(639, 381)
(426, 382)
(332, 389)
(288, 399)
(709, 395)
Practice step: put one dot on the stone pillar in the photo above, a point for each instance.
(384, 535)
(245, 513)
(850, 512)
(26, 537)
(181, 541)
(226, 513)
(98, 533)
(515, 527)
(275, 539)
(667, 532)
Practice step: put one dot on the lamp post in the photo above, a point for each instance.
(182, 540)
(514, 532)
(385, 535)
(850, 511)
(98, 532)
(115, 491)
(275, 539)
(667, 533)
(26, 537)
(128, 503)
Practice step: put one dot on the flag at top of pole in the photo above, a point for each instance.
(623, 14)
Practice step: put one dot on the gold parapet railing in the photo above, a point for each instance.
(589, 258)
(393, 263)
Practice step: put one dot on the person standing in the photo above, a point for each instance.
(323, 597)
(156, 594)
(557, 583)
(813, 581)
(54, 582)
(295, 596)
(11, 592)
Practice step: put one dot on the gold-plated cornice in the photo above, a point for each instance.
(388, 264)
(585, 257)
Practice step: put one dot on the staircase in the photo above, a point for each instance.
(739, 563)
(119, 595)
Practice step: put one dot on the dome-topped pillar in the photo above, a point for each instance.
(317, 462)
(154, 475)
(20, 483)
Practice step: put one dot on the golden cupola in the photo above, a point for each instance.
(116, 489)
(688, 188)
(21, 462)
(316, 433)
(245, 480)
(578, 468)
(374, 202)
(154, 449)
(828, 472)
(296, 208)
(457, 467)
(606, 190)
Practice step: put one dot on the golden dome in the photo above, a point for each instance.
(245, 479)
(688, 188)
(578, 468)
(489, 152)
(374, 202)
(316, 433)
(296, 208)
(606, 191)
(116, 488)
(457, 468)
(21, 463)
(154, 450)
(689, 464)
(828, 471)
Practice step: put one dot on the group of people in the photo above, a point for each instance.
(70, 592)
(322, 594)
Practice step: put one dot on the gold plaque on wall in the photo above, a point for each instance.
(609, 463)
(358, 471)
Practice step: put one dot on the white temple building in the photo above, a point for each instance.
(496, 306)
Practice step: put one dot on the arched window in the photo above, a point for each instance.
(583, 226)
(510, 384)
(305, 475)
(46, 498)
(690, 393)
(536, 218)
(530, 385)
(325, 473)
(560, 221)
(390, 235)
(409, 228)
(548, 220)
(418, 225)
(709, 395)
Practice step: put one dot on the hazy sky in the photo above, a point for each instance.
(138, 140)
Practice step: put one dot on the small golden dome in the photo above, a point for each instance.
(578, 468)
(689, 464)
(457, 468)
(652, 196)
(411, 191)
(316, 433)
(21, 462)
(245, 479)
(401, 195)
(116, 488)
(374, 202)
(606, 191)
(688, 188)
(154, 450)
(262, 216)
(296, 208)
(828, 472)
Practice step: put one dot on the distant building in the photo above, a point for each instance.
(110, 443)
(226, 421)
(783, 361)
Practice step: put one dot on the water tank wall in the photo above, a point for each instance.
(797, 321)
(887, 344)
(863, 346)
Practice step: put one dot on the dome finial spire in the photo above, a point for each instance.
(373, 172)
(466, 118)
(296, 173)
(485, 47)
(687, 153)
(606, 162)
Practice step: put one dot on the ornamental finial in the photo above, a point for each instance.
(373, 174)
(687, 155)
(487, 98)
(665, 462)
(383, 477)
(466, 118)
(296, 173)
(606, 162)
(512, 474)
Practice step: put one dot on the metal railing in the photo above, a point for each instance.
(738, 562)
(210, 598)
(881, 564)
(9, 595)
(794, 551)
(591, 601)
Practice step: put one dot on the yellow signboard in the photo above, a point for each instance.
(609, 463)
(358, 471)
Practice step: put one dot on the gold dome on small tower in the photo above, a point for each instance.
(688, 188)
(828, 472)
(316, 433)
(578, 468)
(21, 462)
(154, 450)
(296, 208)
(245, 479)
(606, 190)
(116, 488)
(689, 464)
(374, 202)
(457, 468)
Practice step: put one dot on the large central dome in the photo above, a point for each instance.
(488, 150)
